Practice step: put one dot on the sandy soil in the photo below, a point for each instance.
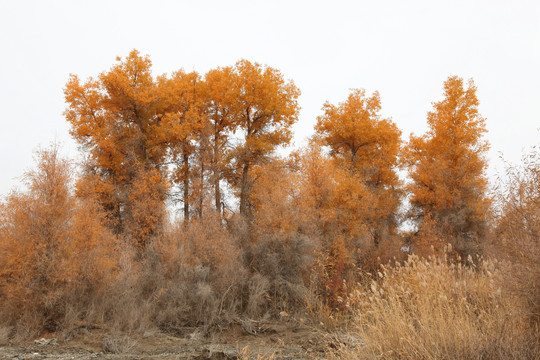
(274, 340)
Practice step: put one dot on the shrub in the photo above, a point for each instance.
(517, 233)
(55, 255)
(280, 269)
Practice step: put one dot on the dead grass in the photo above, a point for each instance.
(247, 354)
(118, 344)
(5, 332)
(433, 309)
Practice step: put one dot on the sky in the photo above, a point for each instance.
(403, 49)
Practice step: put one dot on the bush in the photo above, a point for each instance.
(201, 275)
(517, 234)
(55, 255)
(117, 344)
(280, 270)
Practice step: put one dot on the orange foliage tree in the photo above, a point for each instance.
(367, 146)
(447, 168)
(265, 107)
(354, 193)
(117, 118)
(182, 127)
(333, 207)
(220, 114)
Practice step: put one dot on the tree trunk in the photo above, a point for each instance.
(186, 186)
(217, 192)
(215, 169)
(244, 191)
(201, 185)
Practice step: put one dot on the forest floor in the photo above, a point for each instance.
(279, 340)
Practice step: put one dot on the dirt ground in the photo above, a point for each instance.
(239, 341)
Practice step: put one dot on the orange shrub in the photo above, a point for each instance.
(53, 248)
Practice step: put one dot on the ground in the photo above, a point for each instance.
(283, 340)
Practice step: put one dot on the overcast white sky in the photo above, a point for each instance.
(404, 49)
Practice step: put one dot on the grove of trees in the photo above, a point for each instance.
(258, 233)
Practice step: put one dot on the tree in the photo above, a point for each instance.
(117, 119)
(447, 168)
(182, 127)
(220, 114)
(265, 107)
(333, 209)
(366, 146)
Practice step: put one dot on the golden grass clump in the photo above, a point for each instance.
(433, 309)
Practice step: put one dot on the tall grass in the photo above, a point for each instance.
(433, 309)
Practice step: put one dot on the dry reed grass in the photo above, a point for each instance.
(433, 309)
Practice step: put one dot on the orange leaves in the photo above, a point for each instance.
(132, 123)
(448, 164)
(264, 98)
(265, 107)
(146, 197)
(182, 98)
(118, 120)
(357, 135)
(50, 241)
(200, 132)
(354, 193)
(274, 198)
(332, 203)
(366, 147)
(457, 115)
(185, 137)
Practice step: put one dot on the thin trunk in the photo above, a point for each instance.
(215, 169)
(353, 159)
(244, 184)
(244, 191)
(116, 208)
(201, 185)
(186, 186)
(217, 193)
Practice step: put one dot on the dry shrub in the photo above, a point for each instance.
(517, 234)
(247, 354)
(5, 332)
(338, 268)
(55, 255)
(433, 309)
(274, 198)
(275, 252)
(118, 344)
(187, 300)
(280, 271)
(333, 270)
(191, 275)
(207, 243)
(258, 289)
(201, 274)
(388, 250)
(126, 306)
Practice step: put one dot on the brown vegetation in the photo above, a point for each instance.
(265, 237)
(436, 309)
